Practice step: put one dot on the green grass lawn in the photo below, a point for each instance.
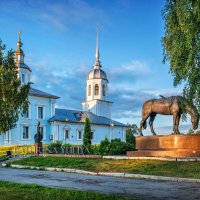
(9, 191)
(149, 167)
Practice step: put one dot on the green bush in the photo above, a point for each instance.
(95, 149)
(55, 147)
(104, 148)
(115, 147)
(118, 147)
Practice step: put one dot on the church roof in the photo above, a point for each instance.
(76, 116)
(39, 93)
(24, 66)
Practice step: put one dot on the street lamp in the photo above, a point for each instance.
(111, 130)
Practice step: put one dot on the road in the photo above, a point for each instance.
(143, 189)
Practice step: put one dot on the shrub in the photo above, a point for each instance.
(115, 147)
(118, 147)
(95, 149)
(55, 147)
(104, 148)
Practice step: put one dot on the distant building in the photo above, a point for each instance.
(62, 124)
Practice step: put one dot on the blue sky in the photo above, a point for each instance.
(59, 43)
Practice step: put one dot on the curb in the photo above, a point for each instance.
(113, 174)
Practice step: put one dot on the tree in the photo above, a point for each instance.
(87, 136)
(182, 45)
(13, 96)
(131, 131)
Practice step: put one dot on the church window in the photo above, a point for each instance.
(66, 134)
(40, 112)
(23, 78)
(96, 90)
(25, 114)
(89, 90)
(104, 90)
(79, 135)
(92, 135)
(25, 134)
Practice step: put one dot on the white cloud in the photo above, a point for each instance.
(58, 14)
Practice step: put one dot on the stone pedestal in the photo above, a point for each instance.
(38, 148)
(167, 146)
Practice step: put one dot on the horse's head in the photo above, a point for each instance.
(195, 121)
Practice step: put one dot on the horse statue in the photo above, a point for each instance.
(174, 105)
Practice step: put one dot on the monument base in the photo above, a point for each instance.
(167, 146)
(38, 148)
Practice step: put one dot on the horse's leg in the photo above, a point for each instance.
(177, 122)
(152, 117)
(143, 122)
(141, 125)
(175, 116)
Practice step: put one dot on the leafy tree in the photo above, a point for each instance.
(182, 45)
(87, 136)
(13, 95)
(131, 131)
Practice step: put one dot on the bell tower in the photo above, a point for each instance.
(97, 89)
(24, 71)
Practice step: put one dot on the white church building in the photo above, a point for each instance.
(63, 124)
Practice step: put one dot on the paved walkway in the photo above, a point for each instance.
(144, 189)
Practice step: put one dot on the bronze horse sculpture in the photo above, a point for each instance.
(174, 105)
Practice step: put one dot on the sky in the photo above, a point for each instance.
(59, 38)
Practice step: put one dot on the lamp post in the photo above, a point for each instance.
(111, 130)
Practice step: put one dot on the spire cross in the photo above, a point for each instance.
(19, 36)
(19, 43)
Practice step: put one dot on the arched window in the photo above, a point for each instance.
(89, 90)
(104, 90)
(96, 89)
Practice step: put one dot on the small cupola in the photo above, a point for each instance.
(23, 69)
(19, 54)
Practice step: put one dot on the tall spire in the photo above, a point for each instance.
(97, 44)
(97, 64)
(19, 43)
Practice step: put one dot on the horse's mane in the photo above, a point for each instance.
(185, 103)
